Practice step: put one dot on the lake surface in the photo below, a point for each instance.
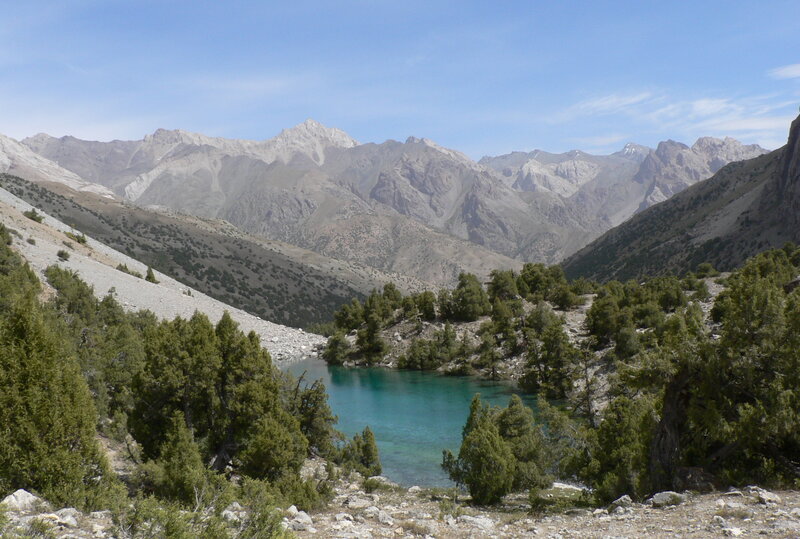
(414, 415)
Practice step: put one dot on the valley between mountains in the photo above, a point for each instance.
(659, 379)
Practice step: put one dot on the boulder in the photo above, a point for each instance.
(385, 519)
(666, 498)
(301, 522)
(354, 502)
(483, 523)
(623, 501)
(68, 517)
(764, 496)
(22, 501)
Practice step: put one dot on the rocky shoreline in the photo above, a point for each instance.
(389, 510)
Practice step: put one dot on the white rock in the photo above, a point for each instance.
(414, 490)
(343, 517)
(623, 501)
(236, 507)
(354, 502)
(68, 517)
(22, 500)
(483, 523)
(231, 516)
(100, 515)
(303, 517)
(371, 512)
(291, 511)
(666, 498)
(385, 519)
(732, 532)
(764, 496)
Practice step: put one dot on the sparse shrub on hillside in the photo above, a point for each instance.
(80, 238)
(124, 269)
(33, 215)
(63, 255)
(5, 235)
(150, 277)
(705, 270)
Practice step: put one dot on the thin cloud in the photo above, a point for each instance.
(609, 104)
(244, 88)
(762, 119)
(791, 71)
(601, 141)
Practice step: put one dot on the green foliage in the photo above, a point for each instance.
(392, 296)
(310, 406)
(5, 235)
(516, 426)
(369, 342)
(47, 442)
(273, 447)
(124, 269)
(150, 277)
(501, 451)
(33, 215)
(620, 450)
(485, 462)
(564, 298)
(541, 281)
(426, 304)
(361, 454)
(62, 255)
(469, 300)
(178, 474)
(602, 319)
(502, 285)
(430, 354)
(550, 363)
(337, 349)
(350, 316)
(80, 238)
(706, 270)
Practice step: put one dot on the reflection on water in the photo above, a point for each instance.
(414, 415)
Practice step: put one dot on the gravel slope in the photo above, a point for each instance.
(96, 264)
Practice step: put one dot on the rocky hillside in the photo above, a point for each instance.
(745, 208)
(413, 207)
(389, 510)
(270, 279)
(49, 242)
(611, 188)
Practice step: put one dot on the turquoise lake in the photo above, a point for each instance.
(414, 415)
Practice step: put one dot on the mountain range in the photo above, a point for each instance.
(746, 207)
(413, 208)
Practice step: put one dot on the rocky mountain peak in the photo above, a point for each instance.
(313, 130)
(311, 139)
(633, 152)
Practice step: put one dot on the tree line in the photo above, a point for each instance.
(199, 407)
(658, 393)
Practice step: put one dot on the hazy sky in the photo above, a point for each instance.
(482, 77)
